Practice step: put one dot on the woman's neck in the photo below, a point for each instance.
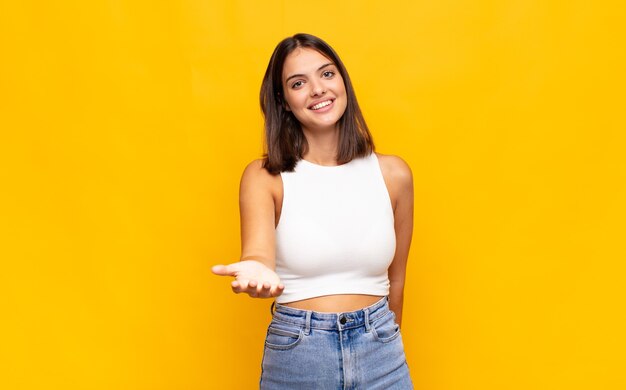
(322, 146)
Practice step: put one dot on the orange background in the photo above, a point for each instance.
(126, 125)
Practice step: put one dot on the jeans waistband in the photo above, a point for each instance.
(337, 321)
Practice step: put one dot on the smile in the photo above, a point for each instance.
(321, 105)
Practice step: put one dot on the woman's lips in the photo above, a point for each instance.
(325, 108)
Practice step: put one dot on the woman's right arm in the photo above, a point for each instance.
(256, 209)
(255, 273)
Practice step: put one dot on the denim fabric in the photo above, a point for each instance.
(361, 349)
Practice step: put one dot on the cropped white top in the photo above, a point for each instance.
(336, 230)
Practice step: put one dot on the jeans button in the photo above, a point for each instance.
(342, 320)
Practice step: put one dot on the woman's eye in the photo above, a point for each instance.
(328, 73)
(296, 84)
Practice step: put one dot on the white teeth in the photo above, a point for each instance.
(320, 105)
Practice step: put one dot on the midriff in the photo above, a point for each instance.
(339, 303)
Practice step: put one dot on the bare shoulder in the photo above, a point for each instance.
(254, 171)
(257, 177)
(395, 170)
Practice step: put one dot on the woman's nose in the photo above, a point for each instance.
(317, 88)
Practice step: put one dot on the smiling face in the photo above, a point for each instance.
(313, 89)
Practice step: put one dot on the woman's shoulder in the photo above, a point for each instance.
(395, 168)
(256, 175)
(254, 167)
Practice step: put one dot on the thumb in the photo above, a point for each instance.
(224, 270)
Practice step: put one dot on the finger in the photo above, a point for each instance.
(264, 289)
(252, 291)
(273, 291)
(226, 270)
(249, 287)
(239, 286)
(277, 290)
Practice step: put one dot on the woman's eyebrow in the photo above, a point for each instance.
(300, 75)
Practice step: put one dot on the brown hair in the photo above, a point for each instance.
(285, 142)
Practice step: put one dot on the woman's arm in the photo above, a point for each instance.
(257, 214)
(255, 273)
(399, 180)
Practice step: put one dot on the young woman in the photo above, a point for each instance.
(326, 226)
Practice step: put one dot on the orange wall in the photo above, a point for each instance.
(125, 126)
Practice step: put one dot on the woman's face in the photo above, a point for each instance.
(314, 90)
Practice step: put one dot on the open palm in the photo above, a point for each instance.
(252, 277)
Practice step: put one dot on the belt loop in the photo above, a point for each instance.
(307, 322)
(367, 319)
(272, 308)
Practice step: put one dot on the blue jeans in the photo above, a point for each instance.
(361, 349)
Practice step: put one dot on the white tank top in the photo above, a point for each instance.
(336, 230)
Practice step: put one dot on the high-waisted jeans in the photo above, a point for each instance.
(361, 349)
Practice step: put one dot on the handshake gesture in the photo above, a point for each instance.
(251, 277)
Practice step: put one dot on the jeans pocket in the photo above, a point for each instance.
(281, 336)
(385, 328)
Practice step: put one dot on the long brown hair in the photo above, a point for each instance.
(285, 143)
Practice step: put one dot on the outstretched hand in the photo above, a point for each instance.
(252, 277)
